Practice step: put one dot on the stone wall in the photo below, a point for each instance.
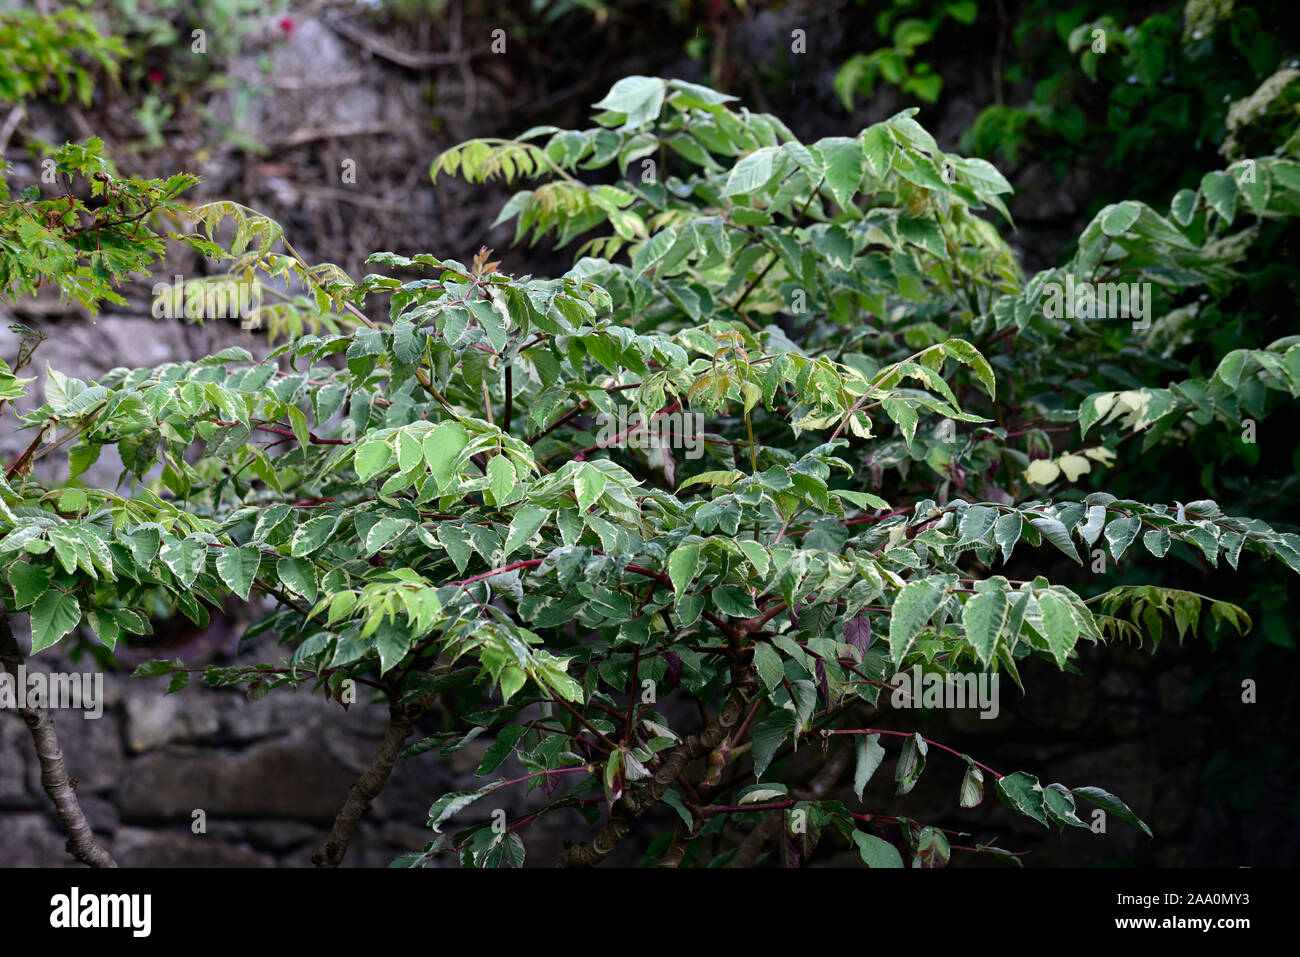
(270, 774)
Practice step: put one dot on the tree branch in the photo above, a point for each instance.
(367, 788)
(54, 772)
(774, 821)
(634, 804)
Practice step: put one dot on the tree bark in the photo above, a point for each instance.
(54, 772)
(634, 804)
(367, 788)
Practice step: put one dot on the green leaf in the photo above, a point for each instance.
(450, 804)
(639, 98)
(588, 485)
(932, 849)
(869, 755)
(1062, 631)
(674, 801)
(298, 421)
(845, 164)
(383, 532)
(769, 735)
(753, 172)
(1120, 534)
(972, 786)
(1007, 532)
(527, 520)
(29, 582)
(683, 564)
(501, 478)
(54, 615)
(82, 458)
(769, 665)
(911, 611)
(968, 355)
(1221, 193)
(371, 457)
(392, 645)
(1116, 220)
(312, 534)
(501, 748)
(1057, 534)
(441, 448)
(1108, 802)
(1060, 806)
(976, 522)
(299, 576)
(910, 763)
(238, 567)
(984, 616)
(878, 147)
(875, 851)
(1022, 793)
